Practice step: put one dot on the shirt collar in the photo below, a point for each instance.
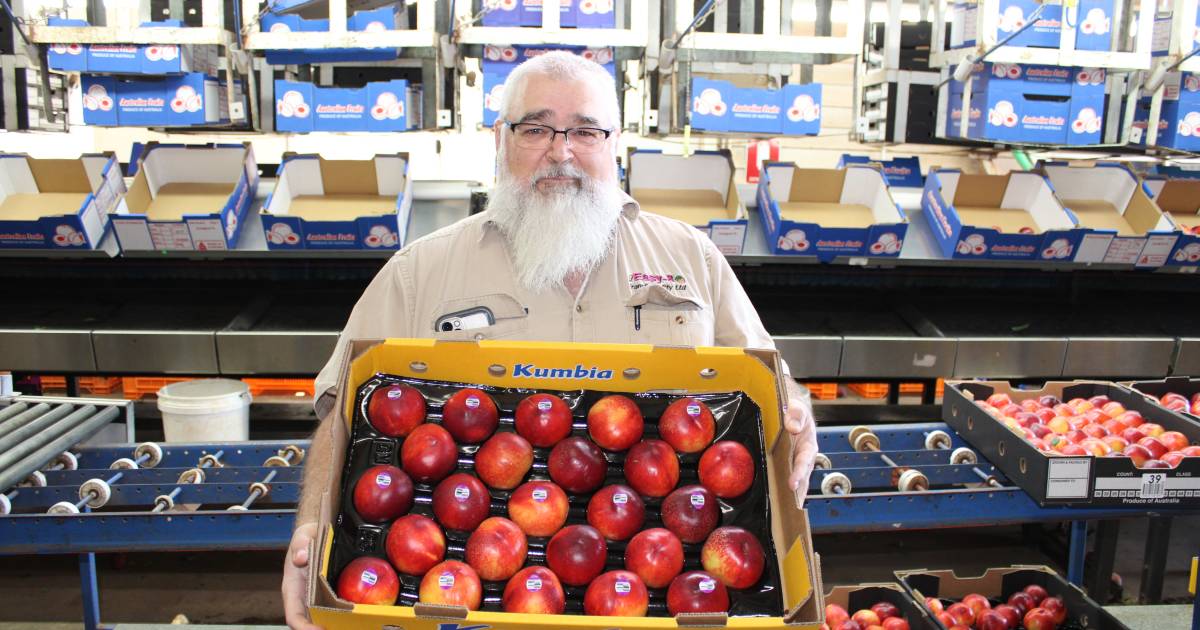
(629, 209)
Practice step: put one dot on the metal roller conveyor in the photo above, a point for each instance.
(24, 417)
(22, 459)
(164, 476)
(259, 489)
(165, 502)
(905, 479)
(125, 497)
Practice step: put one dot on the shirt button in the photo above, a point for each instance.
(478, 336)
(679, 319)
(578, 308)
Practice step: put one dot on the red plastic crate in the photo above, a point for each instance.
(87, 384)
(823, 391)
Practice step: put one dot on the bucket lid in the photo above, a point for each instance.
(204, 394)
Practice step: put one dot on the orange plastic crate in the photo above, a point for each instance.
(918, 388)
(823, 391)
(870, 390)
(87, 384)
(136, 387)
(280, 386)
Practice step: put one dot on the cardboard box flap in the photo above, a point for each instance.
(817, 185)
(349, 177)
(694, 207)
(654, 170)
(60, 176)
(1180, 196)
(980, 190)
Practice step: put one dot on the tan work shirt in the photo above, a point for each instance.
(664, 283)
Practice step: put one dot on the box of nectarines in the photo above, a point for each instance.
(1080, 443)
(886, 605)
(1005, 598)
(544, 485)
(1177, 393)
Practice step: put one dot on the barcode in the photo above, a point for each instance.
(1152, 486)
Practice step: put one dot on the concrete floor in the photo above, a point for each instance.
(243, 587)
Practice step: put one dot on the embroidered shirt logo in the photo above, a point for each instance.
(669, 281)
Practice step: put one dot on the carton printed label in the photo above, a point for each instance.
(1067, 478)
(529, 370)
(943, 223)
(21, 238)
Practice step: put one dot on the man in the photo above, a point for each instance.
(560, 254)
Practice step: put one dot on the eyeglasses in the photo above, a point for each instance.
(540, 137)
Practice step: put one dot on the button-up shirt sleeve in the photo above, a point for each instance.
(385, 310)
(736, 322)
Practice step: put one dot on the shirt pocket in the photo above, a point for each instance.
(655, 315)
(511, 321)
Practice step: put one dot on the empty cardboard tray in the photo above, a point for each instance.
(33, 206)
(341, 207)
(694, 207)
(176, 199)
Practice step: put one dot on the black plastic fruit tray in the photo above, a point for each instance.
(1075, 480)
(998, 584)
(737, 418)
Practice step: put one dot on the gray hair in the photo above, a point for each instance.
(560, 65)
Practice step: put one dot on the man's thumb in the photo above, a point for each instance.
(300, 558)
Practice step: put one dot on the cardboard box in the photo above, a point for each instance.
(1124, 225)
(375, 20)
(379, 106)
(700, 190)
(157, 59)
(1155, 390)
(53, 204)
(1178, 196)
(187, 198)
(1012, 217)
(186, 100)
(794, 110)
(1093, 21)
(1031, 104)
(1179, 115)
(999, 584)
(863, 596)
(499, 61)
(901, 172)
(829, 212)
(572, 13)
(1068, 480)
(339, 204)
(754, 373)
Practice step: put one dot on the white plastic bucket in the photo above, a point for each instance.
(205, 410)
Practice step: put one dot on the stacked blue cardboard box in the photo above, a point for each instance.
(499, 61)
(145, 84)
(572, 13)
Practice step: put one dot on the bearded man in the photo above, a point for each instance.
(560, 254)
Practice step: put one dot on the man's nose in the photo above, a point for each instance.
(560, 150)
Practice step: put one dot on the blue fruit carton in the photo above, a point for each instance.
(499, 61)
(339, 204)
(827, 213)
(187, 198)
(699, 189)
(1092, 19)
(794, 110)
(174, 101)
(1124, 226)
(374, 20)
(156, 59)
(1177, 194)
(1179, 116)
(58, 203)
(901, 172)
(572, 13)
(377, 107)
(1030, 104)
(1008, 217)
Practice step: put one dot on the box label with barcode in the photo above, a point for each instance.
(1153, 486)
(1068, 478)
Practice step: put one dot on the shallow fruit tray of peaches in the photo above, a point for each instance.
(555, 502)
(1081, 443)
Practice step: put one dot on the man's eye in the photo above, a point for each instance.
(533, 131)
(587, 134)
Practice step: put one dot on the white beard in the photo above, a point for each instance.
(554, 233)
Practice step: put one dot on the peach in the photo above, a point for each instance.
(395, 410)
(696, 592)
(451, 583)
(616, 511)
(461, 502)
(734, 556)
(539, 508)
(534, 591)
(577, 465)
(543, 419)
(687, 425)
(429, 453)
(503, 461)
(414, 544)
(652, 468)
(367, 580)
(615, 422)
(656, 555)
(470, 415)
(496, 549)
(576, 554)
(616, 594)
(691, 512)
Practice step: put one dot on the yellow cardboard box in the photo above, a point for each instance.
(638, 368)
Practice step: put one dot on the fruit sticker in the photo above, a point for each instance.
(368, 577)
(383, 480)
(540, 495)
(622, 587)
(707, 585)
(697, 500)
(462, 493)
(446, 580)
(533, 584)
(620, 498)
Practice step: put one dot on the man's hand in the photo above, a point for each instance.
(800, 425)
(295, 578)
